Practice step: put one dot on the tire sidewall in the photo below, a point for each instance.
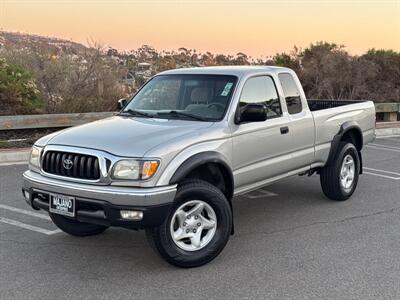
(348, 149)
(223, 213)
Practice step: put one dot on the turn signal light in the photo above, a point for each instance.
(149, 168)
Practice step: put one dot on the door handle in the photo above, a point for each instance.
(284, 130)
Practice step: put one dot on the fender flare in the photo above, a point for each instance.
(200, 159)
(344, 128)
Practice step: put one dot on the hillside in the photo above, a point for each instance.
(50, 75)
(16, 40)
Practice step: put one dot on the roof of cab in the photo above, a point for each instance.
(227, 70)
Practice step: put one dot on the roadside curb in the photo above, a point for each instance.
(14, 156)
(382, 132)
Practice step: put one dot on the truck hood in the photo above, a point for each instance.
(126, 136)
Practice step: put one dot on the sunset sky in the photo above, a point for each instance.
(256, 27)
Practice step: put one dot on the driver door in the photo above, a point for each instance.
(261, 150)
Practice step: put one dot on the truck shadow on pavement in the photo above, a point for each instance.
(125, 249)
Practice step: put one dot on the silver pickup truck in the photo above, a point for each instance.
(172, 160)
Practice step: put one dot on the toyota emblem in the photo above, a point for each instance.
(68, 164)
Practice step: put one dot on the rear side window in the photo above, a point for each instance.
(291, 92)
(262, 89)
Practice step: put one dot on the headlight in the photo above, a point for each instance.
(130, 169)
(34, 158)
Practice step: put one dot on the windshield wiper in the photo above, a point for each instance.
(176, 113)
(137, 113)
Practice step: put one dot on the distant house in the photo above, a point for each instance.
(144, 70)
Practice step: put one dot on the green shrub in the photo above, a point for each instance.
(18, 91)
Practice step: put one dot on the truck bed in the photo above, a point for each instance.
(316, 104)
(330, 114)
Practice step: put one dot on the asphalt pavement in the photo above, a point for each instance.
(290, 243)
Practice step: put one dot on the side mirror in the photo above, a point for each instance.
(253, 112)
(121, 103)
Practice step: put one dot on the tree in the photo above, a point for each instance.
(287, 60)
(88, 81)
(241, 59)
(325, 71)
(207, 59)
(385, 84)
(18, 91)
(166, 63)
(222, 60)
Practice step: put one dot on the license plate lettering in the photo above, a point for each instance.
(63, 205)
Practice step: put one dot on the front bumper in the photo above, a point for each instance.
(102, 204)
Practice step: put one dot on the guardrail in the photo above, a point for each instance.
(389, 111)
(388, 124)
(387, 107)
(49, 121)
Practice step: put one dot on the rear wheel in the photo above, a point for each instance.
(76, 228)
(197, 228)
(339, 179)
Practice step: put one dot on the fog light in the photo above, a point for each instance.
(132, 215)
(26, 195)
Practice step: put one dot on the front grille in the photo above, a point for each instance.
(82, 167)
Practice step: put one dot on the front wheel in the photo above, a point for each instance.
(198, 227)
(339, 179)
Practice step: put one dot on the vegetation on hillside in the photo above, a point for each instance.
(43, 76)
(18, 89)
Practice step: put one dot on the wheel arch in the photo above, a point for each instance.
(349, 131)
(202, 161)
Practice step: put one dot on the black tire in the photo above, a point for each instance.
(76, 228)
(330, 174)
(160, 237)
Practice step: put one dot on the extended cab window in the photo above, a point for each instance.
(262, 89)
(291, 92)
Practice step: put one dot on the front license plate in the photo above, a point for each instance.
(62, 205)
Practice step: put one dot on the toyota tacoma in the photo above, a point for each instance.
(173, 158)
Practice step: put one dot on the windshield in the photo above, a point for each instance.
(185, 97)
